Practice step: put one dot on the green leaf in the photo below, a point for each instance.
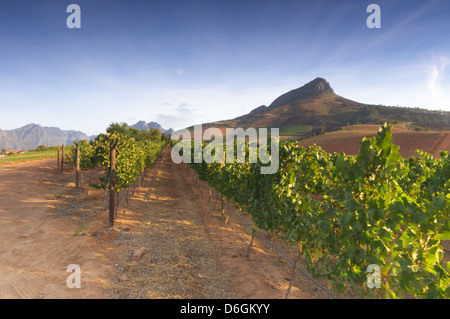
(433, 255)
(394, 269)
(376, 213)
(406, 238)
(438, 203)
(346, 218)
(356, 226)
(443, 236)
(340, 163)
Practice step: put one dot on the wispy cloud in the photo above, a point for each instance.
(439, 82)
(179, 117)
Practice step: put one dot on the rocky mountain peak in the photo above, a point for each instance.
(142, 125)
(317, 86)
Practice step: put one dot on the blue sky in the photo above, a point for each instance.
(187, 62)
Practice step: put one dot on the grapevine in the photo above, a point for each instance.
(133, 155)
(348, 212)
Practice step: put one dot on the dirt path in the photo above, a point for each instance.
(188, 250)
(36, 247)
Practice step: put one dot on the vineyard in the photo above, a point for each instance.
(349, 213)
(346, 214)
(123, 154)
(333, 217)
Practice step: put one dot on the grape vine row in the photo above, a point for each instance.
(349, 212)
(132, 157)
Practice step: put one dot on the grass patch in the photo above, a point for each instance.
(50, 152)
(298, 129)
(294, 130)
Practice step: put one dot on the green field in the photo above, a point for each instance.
(295, 129)
(294, 132)
(50, 152)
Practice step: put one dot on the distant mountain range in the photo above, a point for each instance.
(30, 136)
(142, 125)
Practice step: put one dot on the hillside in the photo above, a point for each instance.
(315, 108)
(32, 135)
(348, 140)
(306, 113)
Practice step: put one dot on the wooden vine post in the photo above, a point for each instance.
(59, 154)
(62, 158)
(293, 273)
(77, 168)
(112, 191)
(222, 201)
(222, 208)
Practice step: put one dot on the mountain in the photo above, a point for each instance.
(315, 108)
(142, 125)
(316, 87)
(29, 137)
